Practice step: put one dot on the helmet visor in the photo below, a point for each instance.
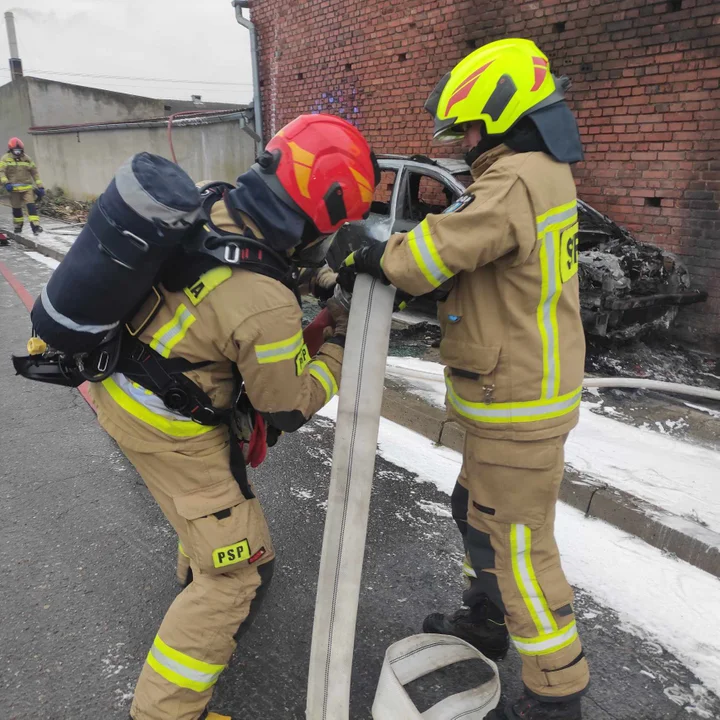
(452, 135)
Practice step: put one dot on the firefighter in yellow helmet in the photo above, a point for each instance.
(514, 349)
(19, 175)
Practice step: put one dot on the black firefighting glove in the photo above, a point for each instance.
(368, 260)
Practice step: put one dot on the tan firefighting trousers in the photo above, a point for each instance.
(504, 504)
(226, 539)
(17, 200)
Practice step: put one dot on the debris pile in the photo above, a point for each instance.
(57, 205)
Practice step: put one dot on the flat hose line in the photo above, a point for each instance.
(346, 501)
(343, 549)
(349, 498)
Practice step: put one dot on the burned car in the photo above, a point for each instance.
(627, 287)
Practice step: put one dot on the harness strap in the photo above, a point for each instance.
(165, 378)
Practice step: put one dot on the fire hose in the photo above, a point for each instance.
(343, 548)
(588, 382)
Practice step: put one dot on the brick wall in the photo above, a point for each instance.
(646, 89)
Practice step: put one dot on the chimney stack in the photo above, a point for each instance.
(16, 69)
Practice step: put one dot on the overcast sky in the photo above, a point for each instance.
(178, 47)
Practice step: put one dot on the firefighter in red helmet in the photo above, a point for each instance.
(317, 173)
(19, 175)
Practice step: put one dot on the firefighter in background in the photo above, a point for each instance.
(316, 173)
(514, 349)
(19, 175)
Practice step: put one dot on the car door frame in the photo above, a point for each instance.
(404, 167)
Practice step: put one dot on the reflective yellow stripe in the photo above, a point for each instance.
(18, 220)
(170, 334)
(22, 188)
(181, 669)
(321, 372)
(34, 218)
(517, 412)
(426, 255)
(207, 282)
(281, 350)
(176, 428)
(468, 570)
(547, 643)
(532, 594)
(181, 550)
(549, 227)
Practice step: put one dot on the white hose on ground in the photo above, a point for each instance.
(353, 465)
(397, 369)
(642, 384)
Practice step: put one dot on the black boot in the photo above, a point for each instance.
(483, 626)
(530, 708)
(36, 228)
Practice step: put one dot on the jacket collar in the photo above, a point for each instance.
(489, 158)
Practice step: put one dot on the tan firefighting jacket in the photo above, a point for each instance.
(513, 340)
(20, 171)
(228, 316)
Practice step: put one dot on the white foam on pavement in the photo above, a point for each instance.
(679, 477)
(656, 596)
(423, 378)
(44, 259)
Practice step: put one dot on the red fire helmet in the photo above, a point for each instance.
(15, 143)
(324, 167)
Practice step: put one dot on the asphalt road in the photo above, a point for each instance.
(87, 566)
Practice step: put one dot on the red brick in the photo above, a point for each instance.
(647, 107)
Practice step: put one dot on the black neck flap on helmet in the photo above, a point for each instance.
(549, 127)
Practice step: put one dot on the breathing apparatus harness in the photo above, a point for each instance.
(122, 351)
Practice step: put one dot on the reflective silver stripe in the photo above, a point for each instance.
(516, 412)
(321, 372)
(552, 269)
(184, 671)
(282, 350)
(164, 342)
(424, 243)
(140, 200)
(556, 218)
(68, 323)
(511, 413)
(546, 644)
(548, 226)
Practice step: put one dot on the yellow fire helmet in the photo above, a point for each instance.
(498, 84)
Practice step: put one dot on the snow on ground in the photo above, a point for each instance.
(679, 477)
(656, 596)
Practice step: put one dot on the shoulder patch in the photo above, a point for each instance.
(459, 205)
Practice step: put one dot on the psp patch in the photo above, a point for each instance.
(231, 554)
(302, 359)
(459, 205)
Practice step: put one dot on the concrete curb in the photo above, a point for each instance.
(33, 244)
(675, 535)
(672, 534)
